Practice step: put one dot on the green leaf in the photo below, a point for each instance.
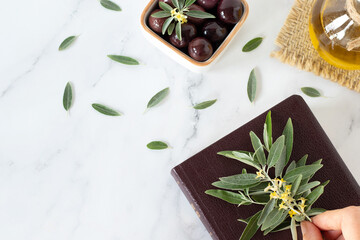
(181, 3)
(265, 212)
(251, 87)
(161, 14)
(246, 190)
(188, 3)
(251, 227)
(166, 24)
(296, 185)
(277, 223)
(302, 161)
(268, 123)
(176, 3)
(263, 198)
(306, 171)
(67, 98)
(289, 139)
(67, 42)
(241, 179)
(235, 187)
(247, 220)
(283, 226)
(252, 44)
(258, 147)
(291, 166)
(165, 6)
(123, 59)
(274, 218)
(244, 158)
(199, 14)
(293, 229)
(110, 5)
(157, 98)
(311, 92)
(105, 110)
(157, 145)
(325, 183)
(230, 197)
(315, 211)
(279, 166)
(204, 105)
(317, 162)
(314, 195)
(171, 28)
(307, 187)
(178, 31)
(276, 151)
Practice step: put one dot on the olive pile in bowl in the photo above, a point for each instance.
(196, 27)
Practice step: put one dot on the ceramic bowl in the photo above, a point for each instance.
(177, 54)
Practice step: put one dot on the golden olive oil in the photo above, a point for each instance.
(331, 28)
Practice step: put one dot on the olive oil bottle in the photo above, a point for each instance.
(335, 32)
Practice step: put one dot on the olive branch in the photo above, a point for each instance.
(178, 15)
(287, 198)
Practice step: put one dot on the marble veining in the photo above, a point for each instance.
(83, 175)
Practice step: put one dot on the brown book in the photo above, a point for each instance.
(195, 175)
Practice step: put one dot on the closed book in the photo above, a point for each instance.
(195, 175)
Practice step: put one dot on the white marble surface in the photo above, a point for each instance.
(89, 176)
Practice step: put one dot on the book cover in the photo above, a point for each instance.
(195, 175)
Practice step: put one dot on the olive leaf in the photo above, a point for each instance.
(314, 195)
(315, 211)
(242, 157)
(273, 219)
(267, 133)
(296, 184)
(258, 147)
(291, 166)
(123, 59)
(67, 98)
(280, 165)
(302, 161)
(161, 14)
(307, 186)
(251, 87)
(276, 151)
(241, 179)
(178, 31)
(247, 220)
(157, 145)
(252, 44)
(171, 28)
(311, 92)
(265, 212)
(289, 139)
(105, 110)
(158, 97)
(110, 5)
(230, 197)
(229, 186)
(293, 229)
(188, 3)
(165, 6)
(251, 228)
(176, 3)
(205, 104)
(199, 14)
(167, 24)
(67, 42)
(306, 171)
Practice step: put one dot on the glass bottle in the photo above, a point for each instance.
(335, 32)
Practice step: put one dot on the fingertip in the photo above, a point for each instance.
(310, 231)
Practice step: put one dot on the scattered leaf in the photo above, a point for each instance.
(110, 5)
(67, 42)
(311, 92)
(67, 98)
(157, 145)
(251, 228)
(157, 98)
(105, 110)
(251, 87)
(204, 105)
(252, 44)
(123, 59)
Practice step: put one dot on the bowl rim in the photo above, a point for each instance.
(215, 55)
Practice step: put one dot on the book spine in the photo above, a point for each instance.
(184, 188)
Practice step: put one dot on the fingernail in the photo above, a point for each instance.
(304, 229)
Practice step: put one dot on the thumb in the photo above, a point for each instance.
(310, 231)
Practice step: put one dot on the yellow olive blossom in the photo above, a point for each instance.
(292, 213)
(274, 195)
(173, 12)
(282, 206)
(302, 204)
(260, 174)
(288, 188)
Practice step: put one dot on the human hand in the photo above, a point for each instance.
(336, 224)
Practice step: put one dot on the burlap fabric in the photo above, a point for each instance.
(297, 50)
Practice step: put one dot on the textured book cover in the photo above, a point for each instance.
(195, 175)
